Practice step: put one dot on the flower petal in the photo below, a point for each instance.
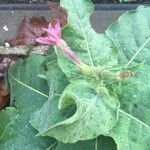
(50, 27)
(45, 29)
(51, 38)
(57, 29)
(50, 31)
(53, 34)
(43, 40)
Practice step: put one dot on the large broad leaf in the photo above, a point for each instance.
(28, 93)
(27, 89)
(49, 114)
(80, 113)
(92, 48)
(131, 133)
(131, 34)
(99, 143)
(73, 116)
(18, 134)
(134, 122)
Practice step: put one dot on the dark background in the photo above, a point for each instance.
(44, 1)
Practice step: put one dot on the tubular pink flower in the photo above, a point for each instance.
(53, 35)
(63, 45)
(54, 38)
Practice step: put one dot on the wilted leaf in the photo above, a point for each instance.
(29, 30)
(4, 63)
(3, 101)
(3, 88)
(58, 12)
(4, 94)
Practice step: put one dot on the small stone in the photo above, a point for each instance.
(5, 28)
(7, 44)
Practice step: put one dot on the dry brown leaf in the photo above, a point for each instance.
(29, 30)
(58, 12)
(4, 94)
(4, 63)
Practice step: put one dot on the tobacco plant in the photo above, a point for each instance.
(91, 92)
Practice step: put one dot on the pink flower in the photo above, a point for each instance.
(53, 35)
(54, 38)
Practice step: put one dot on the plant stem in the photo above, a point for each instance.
(23, 50)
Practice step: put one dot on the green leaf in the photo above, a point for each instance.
(131, 133)
(23, 78)
(7, 117)
(92, 48)
(135, 99)
(131, 35)
(49, 114)
(18, 134)
(57, 82)
(82, 114)
(134, 122)
(56, 79)
(99, 143)
(28, 94)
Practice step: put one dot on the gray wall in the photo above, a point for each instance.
(12, 19)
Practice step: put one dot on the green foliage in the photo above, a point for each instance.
(132, 37)
(28, 93)
(93, 48)
(79, 108)
(80, 111)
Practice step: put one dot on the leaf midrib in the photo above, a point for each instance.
(120, 110)
(29, 87)
(52, 146)
(96, 144)
(134, 118)
(137, 52)
(86, 41)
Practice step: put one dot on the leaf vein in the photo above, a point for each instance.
(138, 51)
(49, 148)
(87, 45)
(134, 118)
(29, 87)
